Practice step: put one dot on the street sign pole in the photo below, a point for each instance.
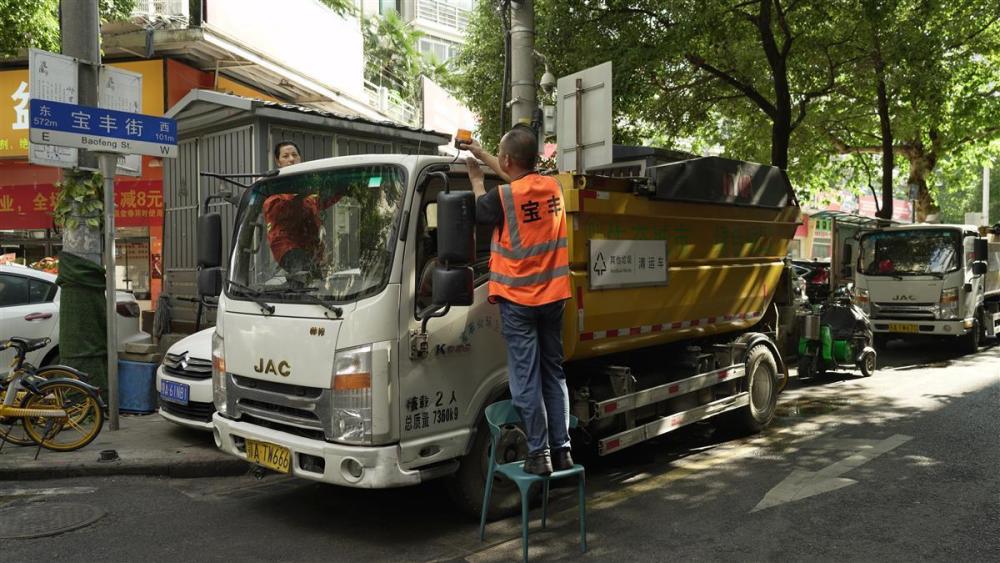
(108, 164)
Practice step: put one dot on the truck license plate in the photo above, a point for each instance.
(902, 327)
(175, 392)
(271, 456)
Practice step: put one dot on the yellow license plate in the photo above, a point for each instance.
(271, 456)
(902, 327)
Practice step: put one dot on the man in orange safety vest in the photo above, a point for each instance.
(529, 280)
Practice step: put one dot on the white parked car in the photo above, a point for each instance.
(29, 307)
(184, 382)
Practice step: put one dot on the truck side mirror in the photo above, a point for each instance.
(210, 240)
(452, 286)
(456, 221)
(979, 268)
(209, 282)
(981, 249)
(847, 253)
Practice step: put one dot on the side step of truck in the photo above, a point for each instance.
(670, 423)
(631, 401)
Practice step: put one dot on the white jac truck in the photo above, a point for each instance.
(930, 280)
(370, 363)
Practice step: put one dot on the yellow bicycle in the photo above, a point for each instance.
(56, 410)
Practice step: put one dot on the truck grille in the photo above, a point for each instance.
(304, 411)
(201, 412)
(181, 365)
(916, 311)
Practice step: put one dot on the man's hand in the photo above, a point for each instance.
(474, 147)
(477, 150)
(476, 177)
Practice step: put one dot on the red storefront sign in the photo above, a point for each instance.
(137, 204)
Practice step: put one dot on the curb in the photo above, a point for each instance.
(223, 467)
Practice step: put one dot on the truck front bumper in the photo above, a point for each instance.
(910, 327)
(369, 467)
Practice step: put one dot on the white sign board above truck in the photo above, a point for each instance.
(627, 263)
(583, 110)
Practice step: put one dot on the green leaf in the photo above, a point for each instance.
(93, 222)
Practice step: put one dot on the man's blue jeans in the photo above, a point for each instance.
(534, 365)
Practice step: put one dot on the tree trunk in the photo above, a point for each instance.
(921, 165)
(888, 151)
(82, 240)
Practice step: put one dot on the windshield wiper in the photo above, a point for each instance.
(304, 292)
(254, 296)
(312, 298)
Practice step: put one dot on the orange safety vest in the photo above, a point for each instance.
(529, 261)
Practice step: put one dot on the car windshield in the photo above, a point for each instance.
(914, 252)
(325, 235)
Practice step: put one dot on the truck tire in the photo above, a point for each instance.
(761, 378)
(467, 485)
(970, 341)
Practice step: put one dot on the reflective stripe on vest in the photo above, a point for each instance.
(529, 264)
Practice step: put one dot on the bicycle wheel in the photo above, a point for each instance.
(11, 429)
(82, 423)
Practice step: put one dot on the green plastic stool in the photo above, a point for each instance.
(502, 413)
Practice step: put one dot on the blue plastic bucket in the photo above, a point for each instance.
(136, 386)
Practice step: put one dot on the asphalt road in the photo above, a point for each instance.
(904, 465)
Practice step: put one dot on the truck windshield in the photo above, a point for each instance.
(325, 234)
(915, 252)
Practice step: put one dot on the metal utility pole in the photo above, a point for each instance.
(986, 195)
(80, 27)
(522, 61)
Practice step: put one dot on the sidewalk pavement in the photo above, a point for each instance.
(145, 444)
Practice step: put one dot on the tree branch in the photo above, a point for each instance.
(748, 90)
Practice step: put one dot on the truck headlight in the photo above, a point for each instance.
(949, 303)
(861, 297)
(219, 374)
(352, 395)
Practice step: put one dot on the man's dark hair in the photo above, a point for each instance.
(277, 148)
(521, 145)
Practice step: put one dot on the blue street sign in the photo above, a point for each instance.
(101, 130)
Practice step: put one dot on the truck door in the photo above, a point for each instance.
(442, 393)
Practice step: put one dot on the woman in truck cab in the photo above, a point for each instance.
(294, 223)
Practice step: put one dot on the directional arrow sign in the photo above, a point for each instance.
(803, 484)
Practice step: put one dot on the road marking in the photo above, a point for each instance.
(47, 492)
(803, 484)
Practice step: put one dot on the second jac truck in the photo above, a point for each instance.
(369, 362)
(930, 280)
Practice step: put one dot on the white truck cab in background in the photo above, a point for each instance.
(929, 280)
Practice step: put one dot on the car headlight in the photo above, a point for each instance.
(351, 384)
(949, 303)
(219, 374)
(862, 298)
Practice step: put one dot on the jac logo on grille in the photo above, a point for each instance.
(281, 368)
(904, 298)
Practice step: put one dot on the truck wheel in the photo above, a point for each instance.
(467, 485)
(970, 341)
(762, 371)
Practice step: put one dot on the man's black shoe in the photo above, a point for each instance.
(561, 460)
(538, 464)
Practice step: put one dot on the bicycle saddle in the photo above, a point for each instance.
(29, 344)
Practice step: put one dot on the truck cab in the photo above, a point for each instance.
(927, 281)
